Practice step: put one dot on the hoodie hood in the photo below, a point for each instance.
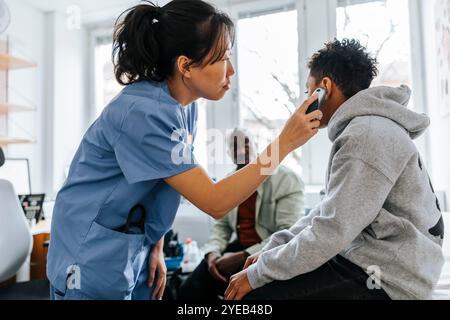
(381, 101)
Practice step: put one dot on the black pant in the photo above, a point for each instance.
(338, 279)
(201, 285)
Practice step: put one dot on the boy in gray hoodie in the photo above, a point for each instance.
(378, 232)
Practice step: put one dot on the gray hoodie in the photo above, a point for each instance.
(380, 210)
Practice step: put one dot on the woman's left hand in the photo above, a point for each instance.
(158, 271)
(239, 286)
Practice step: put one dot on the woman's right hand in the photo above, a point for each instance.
(300, 127)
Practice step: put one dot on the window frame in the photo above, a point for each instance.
(99, 34)
(95, 32)
(317, 24)
(307, 45)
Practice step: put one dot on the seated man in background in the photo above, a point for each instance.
(276, 205)
(378, 232)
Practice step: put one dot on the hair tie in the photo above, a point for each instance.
(157, 12)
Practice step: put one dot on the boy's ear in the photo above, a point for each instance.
(327, 83)
(183, 66)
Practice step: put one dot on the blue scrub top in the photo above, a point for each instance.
(143, 136)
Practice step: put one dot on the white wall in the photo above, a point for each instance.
(68, 103)
(55, 88)
(27, 40)
(440, 128)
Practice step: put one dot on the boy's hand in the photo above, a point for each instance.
(239, 287)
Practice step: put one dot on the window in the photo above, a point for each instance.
(269, 89)
(274, 46)
(106, 86)
(201, 140)
(384, 28)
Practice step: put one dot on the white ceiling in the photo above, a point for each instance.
(85, 5)
(97, 10)
(92, 11)
(91, 6)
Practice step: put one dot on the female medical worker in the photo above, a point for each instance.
(134, 162)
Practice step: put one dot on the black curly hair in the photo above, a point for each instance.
(347, 63)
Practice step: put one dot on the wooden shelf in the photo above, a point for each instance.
(8, 62)
(4, 141)
(7, 107)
